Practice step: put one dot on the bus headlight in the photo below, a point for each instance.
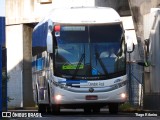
(58, 97)
(123, 95)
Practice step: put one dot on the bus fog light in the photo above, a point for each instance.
(58, 97)
(123, 95)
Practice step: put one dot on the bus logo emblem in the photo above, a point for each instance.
(91, 89)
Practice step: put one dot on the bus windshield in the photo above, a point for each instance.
(89, 51)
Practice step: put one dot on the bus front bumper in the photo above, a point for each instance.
(62, 96)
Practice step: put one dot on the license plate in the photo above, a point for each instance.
(91, 97)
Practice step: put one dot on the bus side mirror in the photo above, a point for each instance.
(49, 42)
(129, 44)
(129, 47)
(50, 37)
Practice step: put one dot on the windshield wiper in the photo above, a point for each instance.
(101, 63)
(78, 65)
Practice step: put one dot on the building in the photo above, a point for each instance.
(146, 18)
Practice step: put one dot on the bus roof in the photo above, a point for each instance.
(82, 15)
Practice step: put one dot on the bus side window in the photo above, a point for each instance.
(39, 64)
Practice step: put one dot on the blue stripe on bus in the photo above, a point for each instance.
(2, 43)
(2, 31)
(39, 35)
(39, 63)
(1, 78)
(73, 81)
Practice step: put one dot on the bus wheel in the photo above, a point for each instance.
(113, 108)
(49, 109)
(87, 110)
(49, 106)
(55, 109)
(41, 108)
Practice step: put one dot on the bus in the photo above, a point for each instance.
(79, 60)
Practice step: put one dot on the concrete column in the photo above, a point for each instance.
(27, 67)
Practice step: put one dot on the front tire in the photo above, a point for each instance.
(113, 108)
(41, 108)
(49, 106)
(55, 109)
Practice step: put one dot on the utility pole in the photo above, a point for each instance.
(2, 44)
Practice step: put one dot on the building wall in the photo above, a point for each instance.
(140, 8)
(121, 6)
(152, 86)
(143, 22)
(14, 45)
(28, 11)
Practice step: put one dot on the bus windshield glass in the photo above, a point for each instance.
(89, 51)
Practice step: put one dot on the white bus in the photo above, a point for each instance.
(78, 60)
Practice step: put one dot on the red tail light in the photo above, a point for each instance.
(57, 28)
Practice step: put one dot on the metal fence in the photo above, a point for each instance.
(135, 74)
